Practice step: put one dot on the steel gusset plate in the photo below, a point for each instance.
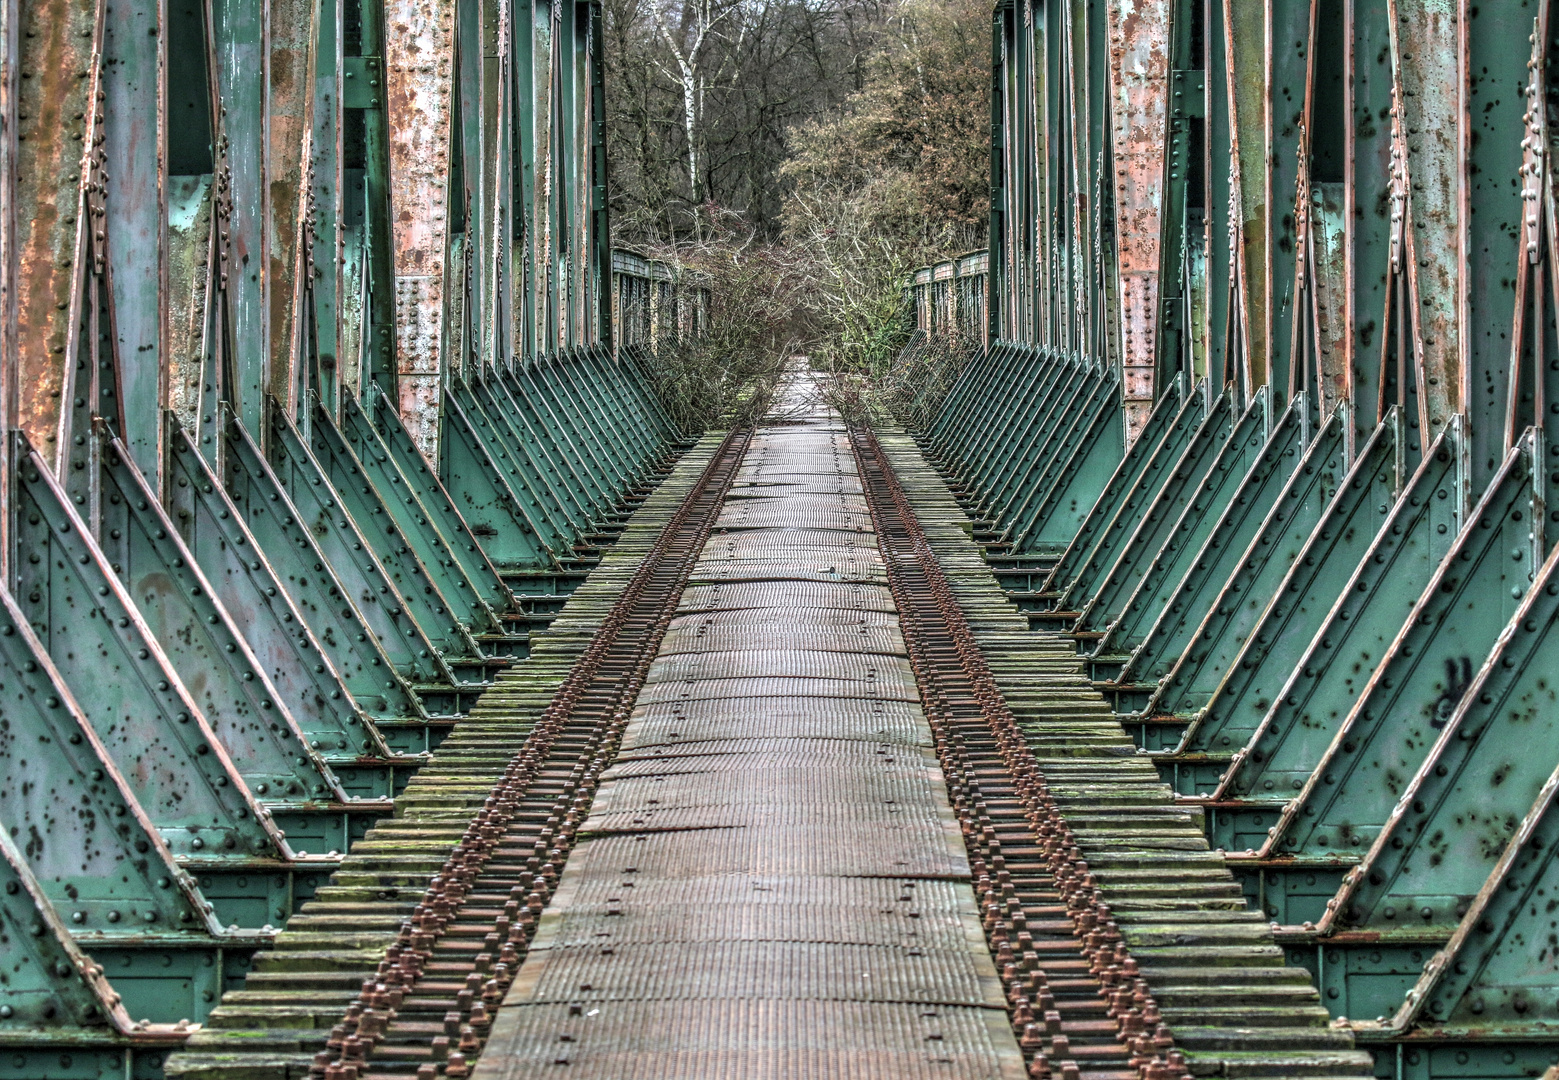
(1176, 497)
(421, 504)
(413, 578)
(1231, 686)
(1357, 635)
(176, 766)
(51, 986)
(511, 534)
(364, 635)
(1163, 423)
(200, 639)
(1089, 558)
(304, 673)
(96, 856)
(1221, 517)
(1344, 753)
(1225, 590)
(306, 496)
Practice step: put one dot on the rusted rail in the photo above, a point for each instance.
(1078, 1002)
(428, 1011)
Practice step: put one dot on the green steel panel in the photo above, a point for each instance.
(450, 553)
(96, 857)
(285, 542)
(1187, 584)
(305, 673)
(388, 614)
(154, 731)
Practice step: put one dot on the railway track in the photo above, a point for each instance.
(1124, 946)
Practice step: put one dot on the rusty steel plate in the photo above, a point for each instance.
(859, 911)
(803, 545)
(776, 617)
(739, 688)
(678, 724)
(767, 517)
(746, 570)
(791, 850)
(751, 1040)
(722, 970)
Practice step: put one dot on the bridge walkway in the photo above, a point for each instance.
(771, 881)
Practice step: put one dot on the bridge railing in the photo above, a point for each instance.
(950, 298)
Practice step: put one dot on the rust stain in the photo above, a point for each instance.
(1139, 77)
(418, 76)
(55, 83)
(291, 102)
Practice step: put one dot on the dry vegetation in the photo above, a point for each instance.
(805, 156)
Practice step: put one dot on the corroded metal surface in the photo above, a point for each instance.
(769, 882)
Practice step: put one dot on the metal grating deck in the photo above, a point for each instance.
(771, 882)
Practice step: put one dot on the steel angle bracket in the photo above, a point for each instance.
(303, 669)
(177, 767)
(1230, 504)
(580, 474)
(632, 364)
(1013, 371)
(1019, 394)
(635, 404)
(605, 476)
(602, 409)
(1243, 559)
(1204, 509)
(463, 575)
(1031, 430)
(1496, 973)
(637, 401)
(1029, 441)
(1071, 481)
(559, 379)
(1244, 685)
(1090, 555)
(476, 483)
(1104, 592)
(426, 502)
(1004, 365)
(541, 385)
(646, 433)
(51, 987)
(1468, 851)
(398, 618)
(418, 562)
(1425, 673)
(539, 453)
(94, 853)
(357, 645)
(200, 638)
(533, 388)
(963, 392)
(987, 466)
(1123, 481)
(1356, 631)
(526, 477)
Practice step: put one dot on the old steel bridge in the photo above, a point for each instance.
(388, 688)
